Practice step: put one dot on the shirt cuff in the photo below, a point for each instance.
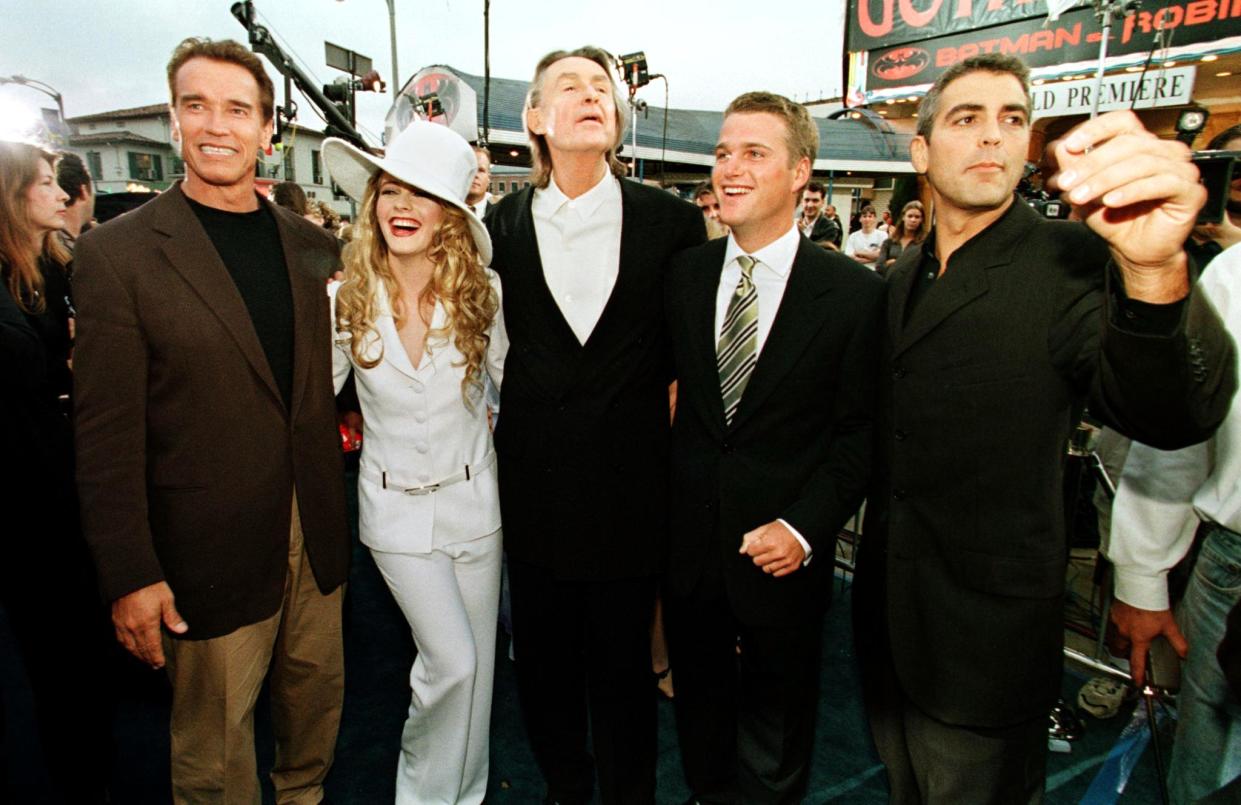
(1143, 318)
(1142, 590)
(805, 546)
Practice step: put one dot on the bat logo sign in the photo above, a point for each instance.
(901, 63)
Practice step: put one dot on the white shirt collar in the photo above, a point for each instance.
(551, 199)
(777, 255)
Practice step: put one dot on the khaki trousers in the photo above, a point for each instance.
(216, 682)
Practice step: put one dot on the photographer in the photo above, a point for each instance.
(1210, 239)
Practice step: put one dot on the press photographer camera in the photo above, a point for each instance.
(1218, 169)
(1044, 203)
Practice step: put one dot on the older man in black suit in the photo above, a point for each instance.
(776, 345)
(1000, 327)
(583, 438)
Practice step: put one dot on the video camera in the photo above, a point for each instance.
(1040, 200)
(1217, 169)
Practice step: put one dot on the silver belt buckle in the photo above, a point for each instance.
(422, 490)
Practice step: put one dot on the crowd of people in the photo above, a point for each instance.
(688, 403)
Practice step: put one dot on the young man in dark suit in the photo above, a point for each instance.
(583, 438)
(209, 465)
(776, 343)
(815, 223)
(1000, 327)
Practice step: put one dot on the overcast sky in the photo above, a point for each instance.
(110, 54)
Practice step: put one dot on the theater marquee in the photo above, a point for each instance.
(910, 46)
(1171, 87)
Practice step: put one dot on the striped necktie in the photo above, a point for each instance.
(738, 348)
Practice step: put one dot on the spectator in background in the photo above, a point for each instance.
(829, 212)
(479, 197)
(1209, 240)
(291, 196)
(329, 216)
(47, 580)
(709, 203)
(813, 223)
(1230, 140)
(75, 180)
(863, 244)
(906, 232)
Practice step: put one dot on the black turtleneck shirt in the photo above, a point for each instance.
(249, 245)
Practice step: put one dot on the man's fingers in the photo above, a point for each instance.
(1179, 644)
(786, 567)
(173, 620)
(1112, 182)
(152, 649)
(1097, 130)
(1158, 188)
(1129, 157)
(1137, 661)
(767, 554)
(127, 641)
(138, 642)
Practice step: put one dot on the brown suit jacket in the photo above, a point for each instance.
(187, 457)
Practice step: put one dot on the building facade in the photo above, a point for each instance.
(132, 150)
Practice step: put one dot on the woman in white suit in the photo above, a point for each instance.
(418, 321)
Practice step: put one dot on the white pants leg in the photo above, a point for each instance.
(450, 598)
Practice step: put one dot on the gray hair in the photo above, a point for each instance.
(539, 151)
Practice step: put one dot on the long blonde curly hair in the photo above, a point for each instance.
(458, 281)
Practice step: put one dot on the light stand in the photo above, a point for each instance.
(633, 69)
(46, 89)
(1106, 11)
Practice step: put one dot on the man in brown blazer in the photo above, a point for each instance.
(208, 462)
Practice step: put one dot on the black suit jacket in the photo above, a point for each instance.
(582, 439)
(980, 391)
(187, 456)
(825, 230)
(799, 445)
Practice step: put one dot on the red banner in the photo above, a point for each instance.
(885, 23)
(1075, 38)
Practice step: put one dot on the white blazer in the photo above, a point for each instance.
(417, 431)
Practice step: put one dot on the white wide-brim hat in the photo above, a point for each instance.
(428, 156)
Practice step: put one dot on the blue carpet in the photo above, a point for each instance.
(378, 654)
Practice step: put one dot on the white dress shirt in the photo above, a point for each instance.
(418, 431)
(579, 246)
(860, 241)
(1163, 495)
(480, 209)
(770, 275)
(807, 227)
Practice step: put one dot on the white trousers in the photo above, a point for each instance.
(450, 598)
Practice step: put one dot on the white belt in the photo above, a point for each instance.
(385, 480)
